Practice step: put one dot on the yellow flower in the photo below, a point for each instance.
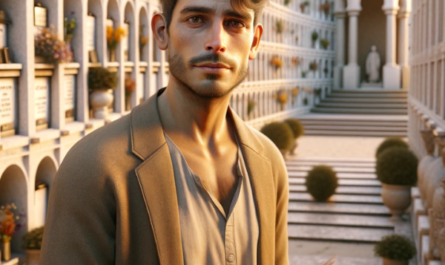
(295, 91)
(109, 33)
(282, 98)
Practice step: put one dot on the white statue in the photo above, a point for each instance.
(373, 65)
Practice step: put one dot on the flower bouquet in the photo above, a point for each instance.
(8, 226)
(51, 48)
(114, 37)
(277, 62)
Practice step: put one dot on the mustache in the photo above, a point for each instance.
(214, 58)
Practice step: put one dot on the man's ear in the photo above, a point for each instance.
(256, 41)
(159, 28)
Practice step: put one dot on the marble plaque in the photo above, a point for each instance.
(3, 36)
(140, 87)
(125, 40)
(40, 17)
(41, 100)
(7, 104)
(91, 29)
(70, 95)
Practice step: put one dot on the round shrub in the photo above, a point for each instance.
(280, 134)
(396, 247)
(397, 166)
(321, 182)
(102, 78)
(389, 143)
(296, 127)
(33, 239)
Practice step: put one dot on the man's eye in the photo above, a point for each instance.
(195, 20)
(235, 24)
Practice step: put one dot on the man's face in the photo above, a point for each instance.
(209, 46)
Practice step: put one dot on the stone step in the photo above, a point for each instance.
(396, 124)
(356, 133)
(303, 174)
(339, 208)
(366, 100)
(353, 199)
(355, 128)
(336, 169)
(333, 160)
(339, 234)
(342, 220)
(319, 259)
(344, 182)
(376, 191)
(326, 104)
(354, 111)
(344, 117)
(300, 162)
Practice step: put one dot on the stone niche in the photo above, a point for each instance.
(8, 106)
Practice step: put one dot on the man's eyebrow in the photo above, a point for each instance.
(207, 10)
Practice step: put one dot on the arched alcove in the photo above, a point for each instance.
(144, 30)
(13, 189)
(130, 38)
(44, 177)
(113, 19)
(96, 10)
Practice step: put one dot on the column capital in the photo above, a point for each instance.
(339, 6)
(340, 15)
(390, 11)
(390, 5)
(353, 7)
(353, 13)
(403, 14)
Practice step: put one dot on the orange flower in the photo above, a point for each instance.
(282, 98)
(109, 33)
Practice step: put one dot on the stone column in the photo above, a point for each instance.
(351, 72)
(391, 71)
(404, 13)
(340, 46)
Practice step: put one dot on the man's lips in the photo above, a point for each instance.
(213, 66)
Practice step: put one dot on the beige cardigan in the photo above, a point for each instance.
(113, 200)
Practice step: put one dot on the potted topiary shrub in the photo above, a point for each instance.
(395, 250)
(314, 37)
(280, 134)
(324, 43)
(297, 131)
(321, 182)
(32, 242)
(101, 82)
(396, 168)
(389, 143)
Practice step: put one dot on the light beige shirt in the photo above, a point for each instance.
(208, 235)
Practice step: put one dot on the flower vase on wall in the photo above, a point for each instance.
(112, 55)
(6, 249)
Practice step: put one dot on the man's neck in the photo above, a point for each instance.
(188, 117)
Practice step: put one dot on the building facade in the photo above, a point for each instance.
(45, 107)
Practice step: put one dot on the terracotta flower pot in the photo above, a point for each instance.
(397, 198)
(100, 99)
(387, 261)
(32, 256)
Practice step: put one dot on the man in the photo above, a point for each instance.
(182, 179)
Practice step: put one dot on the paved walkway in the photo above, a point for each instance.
(354, 219)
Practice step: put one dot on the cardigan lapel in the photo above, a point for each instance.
(261, 176)
(156, 180)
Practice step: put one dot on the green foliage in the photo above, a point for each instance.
(321, 182)
(296, 126)
(324, 43)
(314, 36)
(303, 74)
(101, 78)
(279, 26)
(33, 239)
(389, 143)
(280, 134)
(397, 166)
(286, 2)
(313, 66)
(396, 247)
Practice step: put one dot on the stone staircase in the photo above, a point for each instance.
(373, 113)
(354, 215)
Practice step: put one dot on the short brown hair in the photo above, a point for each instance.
(256, 5)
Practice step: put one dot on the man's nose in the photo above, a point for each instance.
(217, 40)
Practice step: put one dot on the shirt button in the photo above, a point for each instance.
(231, 258)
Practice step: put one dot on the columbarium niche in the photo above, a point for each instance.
(129, 40)
(13, 190)
(44, 178)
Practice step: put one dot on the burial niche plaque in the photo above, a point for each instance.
(70, 97)
(91, 28)
(7, 106)
(42, 102)
(40, 16)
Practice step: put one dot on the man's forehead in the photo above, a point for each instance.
(215, 6)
